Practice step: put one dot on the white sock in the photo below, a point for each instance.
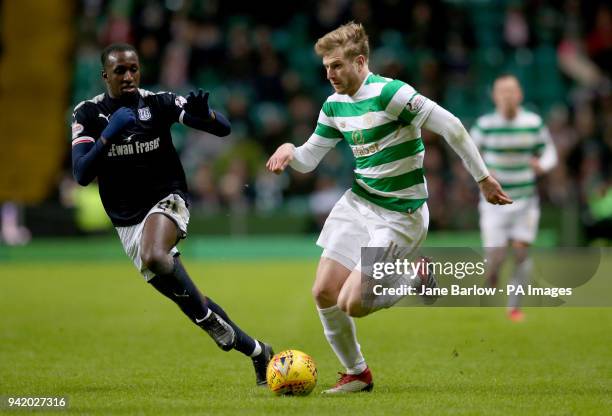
(520, 277)
(257, 349)
(340, 332)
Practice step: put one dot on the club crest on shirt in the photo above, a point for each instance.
(180, 101)
(144, 114)
(357, 137)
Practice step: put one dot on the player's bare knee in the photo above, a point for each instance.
(324, 295)
(156, 260)
(521, 251)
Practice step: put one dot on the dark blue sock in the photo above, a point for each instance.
(244, 343)
(179, 288)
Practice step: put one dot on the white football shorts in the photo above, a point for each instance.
(501, 223)
(355, 222)
(175, 208)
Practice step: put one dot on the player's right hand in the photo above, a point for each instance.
(281, 158)
(120, 120)
(492, 191)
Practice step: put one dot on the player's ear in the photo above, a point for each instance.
(104, 74)
(360, 61)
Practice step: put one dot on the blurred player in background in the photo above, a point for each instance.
(123, 139)
(516, 147)
(381, 119)
(13, 232)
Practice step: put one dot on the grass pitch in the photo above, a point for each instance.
(96, 333)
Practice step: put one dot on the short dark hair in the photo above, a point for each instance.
(116, 47)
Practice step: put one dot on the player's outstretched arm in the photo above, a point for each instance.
(304, 159)
(442, 122)
(200, 116)
(307, 156)
(85, 154)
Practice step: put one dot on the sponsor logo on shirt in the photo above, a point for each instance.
(133, 148)
(365, 150)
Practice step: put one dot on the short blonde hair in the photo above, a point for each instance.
(351, 37)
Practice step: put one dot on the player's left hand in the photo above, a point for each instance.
(281, 158)
(197, 105)
(492, 191)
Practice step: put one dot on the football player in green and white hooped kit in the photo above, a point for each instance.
(516, 146)
(381, 120)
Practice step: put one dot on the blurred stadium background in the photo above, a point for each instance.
(258, 63)
(78, 321)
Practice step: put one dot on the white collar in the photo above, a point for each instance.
(356, 96)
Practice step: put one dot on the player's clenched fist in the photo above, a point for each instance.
(120, 120)
(492, 191)
(281, 158)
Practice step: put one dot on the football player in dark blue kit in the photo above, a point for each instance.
(123, 139)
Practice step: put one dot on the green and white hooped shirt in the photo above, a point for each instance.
(507, 146)
(382, 124)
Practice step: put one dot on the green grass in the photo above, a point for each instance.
(95, 332)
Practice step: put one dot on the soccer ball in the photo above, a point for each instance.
(291, 373)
